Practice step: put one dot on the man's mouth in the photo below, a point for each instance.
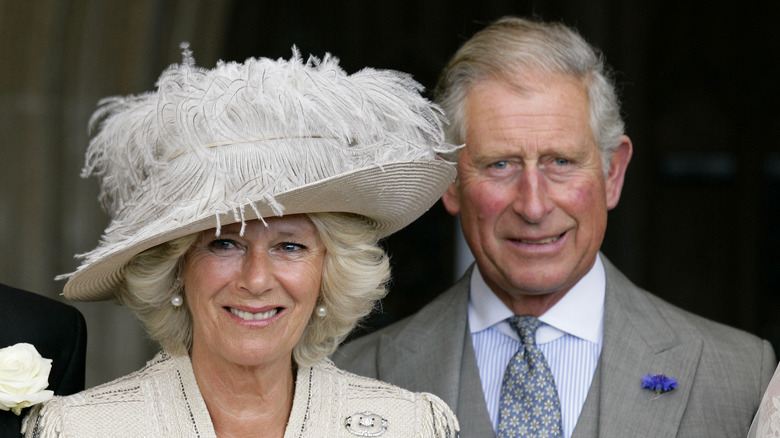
(540, 241)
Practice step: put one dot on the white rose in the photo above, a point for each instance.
(24, 376)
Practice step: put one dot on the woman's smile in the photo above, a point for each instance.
(250, 316)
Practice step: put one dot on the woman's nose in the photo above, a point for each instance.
(256, 274)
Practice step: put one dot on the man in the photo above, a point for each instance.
(544, 161)
(56, 330)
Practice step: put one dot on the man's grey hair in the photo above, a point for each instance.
(512, 49)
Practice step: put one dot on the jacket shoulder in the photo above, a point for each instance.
(690, 325)
(359, 355)
(120, 405)
(651, 311)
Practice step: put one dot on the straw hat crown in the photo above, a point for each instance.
(248, 140)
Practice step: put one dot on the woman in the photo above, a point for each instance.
(246, 203)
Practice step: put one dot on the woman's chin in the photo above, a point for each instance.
(247, 354)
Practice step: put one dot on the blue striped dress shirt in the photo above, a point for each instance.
(570, 339)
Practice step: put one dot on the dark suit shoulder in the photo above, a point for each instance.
(35, 319)
(19, 304)
(57, 330)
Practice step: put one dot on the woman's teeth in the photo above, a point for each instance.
(247, 316)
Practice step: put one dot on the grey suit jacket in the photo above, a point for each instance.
(721, 371)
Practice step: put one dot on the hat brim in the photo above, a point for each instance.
(391, 195)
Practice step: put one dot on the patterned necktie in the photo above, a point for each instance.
(529, 405)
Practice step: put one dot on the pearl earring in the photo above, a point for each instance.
(177, 300)
(322, 311)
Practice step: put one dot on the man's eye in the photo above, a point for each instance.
(562, 161)
(500, 165)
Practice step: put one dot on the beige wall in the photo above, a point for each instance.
(57, 58)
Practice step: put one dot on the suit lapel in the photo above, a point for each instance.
(471, 400)
(637, 341)
(440, 331)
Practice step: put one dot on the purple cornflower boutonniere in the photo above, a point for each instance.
(659, 383)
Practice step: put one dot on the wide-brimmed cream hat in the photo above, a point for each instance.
(252, 140)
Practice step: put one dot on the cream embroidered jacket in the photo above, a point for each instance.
(162, 400)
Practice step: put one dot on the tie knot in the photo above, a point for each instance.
(525, 326)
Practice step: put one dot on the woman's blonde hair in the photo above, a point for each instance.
(354, 276)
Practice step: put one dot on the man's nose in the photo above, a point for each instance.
(532, 201)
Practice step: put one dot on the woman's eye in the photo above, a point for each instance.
(223, 244)
(289, 246)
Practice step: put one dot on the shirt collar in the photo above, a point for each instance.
(579, 313)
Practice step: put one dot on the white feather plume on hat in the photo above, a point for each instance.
(248, 140)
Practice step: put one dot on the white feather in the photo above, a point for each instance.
(206, 141)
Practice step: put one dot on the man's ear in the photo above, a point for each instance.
(451, 199)
(617, 171)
